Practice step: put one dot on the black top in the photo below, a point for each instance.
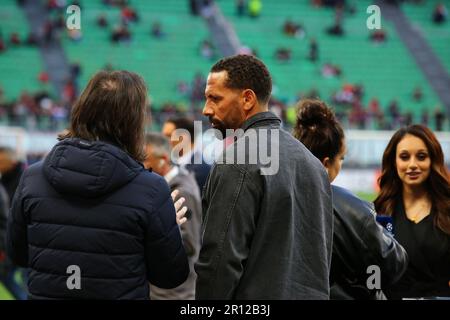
(428, 248)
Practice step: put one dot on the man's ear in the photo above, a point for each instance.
(166, 157)
(326, 162)
(249, 97)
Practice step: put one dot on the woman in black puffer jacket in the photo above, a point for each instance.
(89, 221)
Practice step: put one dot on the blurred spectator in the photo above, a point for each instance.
(358, 91)
(108, 67)
(128, 15)
(283, 54)
(394, 113)
(120, 34)
(313, 50)
(357, 116)
(330, 70)
(75, 70)
(207, 9)
(69, 92)
(31, 39)
(193, 5)
(207, 50)
(293, 29)
(2, 45)
(43, 77)
(55, 4)
(48, 32)
(157, 31)
(417, 94)
(59, 22)
(378, 36)
(345, 96)
(335, 30)
(102, 22)
(240, 7)
(440, 13)
(439, 118)
(183, 87)
(14, 39)
(254, 8)
(408, 118)
(374, 112)
(198, 89)
(424, 117)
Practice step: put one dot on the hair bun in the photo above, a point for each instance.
(314, 113)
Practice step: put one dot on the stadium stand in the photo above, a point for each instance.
(387, 71)
(437, 35)
(20, 65)
(162, 62)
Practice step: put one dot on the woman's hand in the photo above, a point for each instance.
(181, 211)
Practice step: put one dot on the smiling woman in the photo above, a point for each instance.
(415, 191)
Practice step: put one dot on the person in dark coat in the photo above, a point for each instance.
(159, 161)
(267, 225)
(89, 221)
(359, 242)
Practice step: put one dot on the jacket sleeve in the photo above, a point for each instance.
(231, 206)
(374, 244)
(16, 236)
(383, 250)
(167, 264)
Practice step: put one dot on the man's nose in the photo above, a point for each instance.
(207, 111)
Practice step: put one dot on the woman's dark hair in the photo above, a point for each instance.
(438, 183)
(112, 108)
(317, 128)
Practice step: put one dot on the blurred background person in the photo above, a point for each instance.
(192, 159)
(415, 191)
(358, 240)
(178, 178)
(11, 170)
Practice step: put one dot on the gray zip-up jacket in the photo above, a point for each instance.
(267, 233)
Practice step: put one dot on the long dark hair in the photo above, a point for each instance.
(438, 183)
(112, 108)
(318, 129)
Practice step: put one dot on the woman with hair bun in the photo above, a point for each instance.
(358, 240)
(415, 192)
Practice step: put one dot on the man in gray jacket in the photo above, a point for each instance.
(158, 159)
(267, 230)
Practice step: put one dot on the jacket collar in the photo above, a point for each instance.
(266, 117)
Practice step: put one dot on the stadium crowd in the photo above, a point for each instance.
(100, 203)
